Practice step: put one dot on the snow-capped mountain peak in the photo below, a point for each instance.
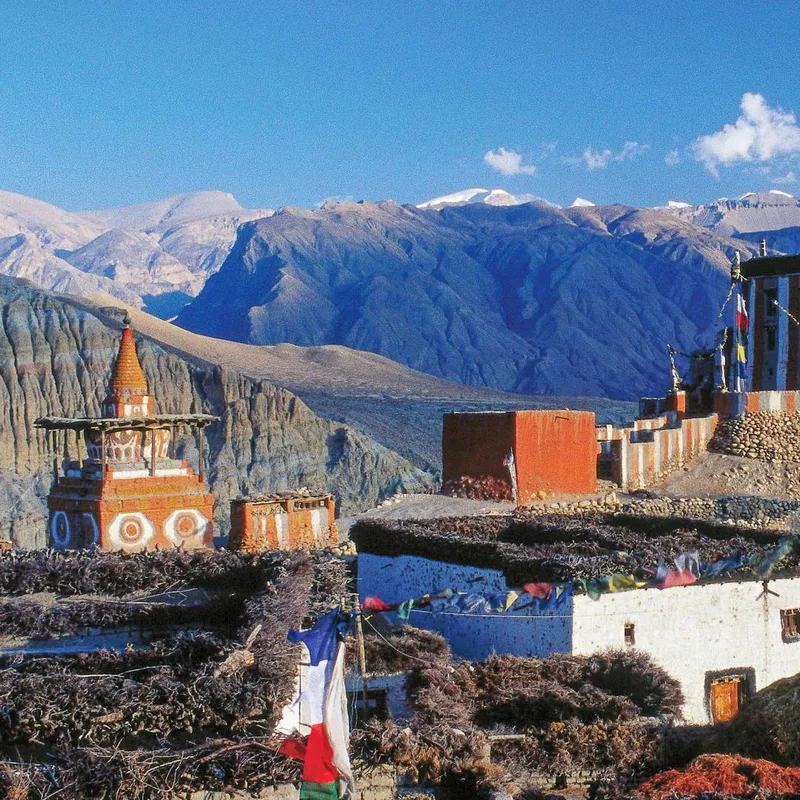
(580, 202)
(489, 197)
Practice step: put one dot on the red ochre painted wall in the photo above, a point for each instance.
(555, 451)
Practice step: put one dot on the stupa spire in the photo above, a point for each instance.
(128, 372)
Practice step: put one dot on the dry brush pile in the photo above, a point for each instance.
(513, 720)
(194, 708)
(723, 776)
(555, 548)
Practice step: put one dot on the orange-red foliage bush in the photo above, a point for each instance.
(722, 775)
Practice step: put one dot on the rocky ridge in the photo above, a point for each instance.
(55, 358)
(528, 298)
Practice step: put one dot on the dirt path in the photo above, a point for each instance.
(718, 475)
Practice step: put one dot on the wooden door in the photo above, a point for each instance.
(726, 695)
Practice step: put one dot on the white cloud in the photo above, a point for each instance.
(599, 159)
(631, 150)
(596, 159)
(789, 177)
(673, 158)
(507, 162)
(759, 134)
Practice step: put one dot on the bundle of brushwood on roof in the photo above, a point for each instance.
(553, 548)
(188, 708)
(767, 725)
(400, 649)
(510, 719)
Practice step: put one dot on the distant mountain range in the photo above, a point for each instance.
(480, 286)
(524, 297)
(156, 255)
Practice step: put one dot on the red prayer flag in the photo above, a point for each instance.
(675, 578)
(318, 765)
(375, 604)
(294, 748)
(541, 591)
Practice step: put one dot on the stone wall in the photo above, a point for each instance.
(379, 783)
(647, 452)
(766, 435)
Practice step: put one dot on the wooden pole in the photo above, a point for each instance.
(102, 453)
(362, 656)
(80, 448)
(55, 455)
(201, 447)
(152, 452)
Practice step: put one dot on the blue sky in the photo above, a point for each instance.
(109, 103)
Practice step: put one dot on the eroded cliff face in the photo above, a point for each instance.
(55, 359)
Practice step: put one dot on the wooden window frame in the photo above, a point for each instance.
(629, 632)
(790, 625)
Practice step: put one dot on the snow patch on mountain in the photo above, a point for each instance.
(580, 202)
(489, 197)
(169, 246)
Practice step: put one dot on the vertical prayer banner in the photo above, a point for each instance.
(742, 330)
(318, 714)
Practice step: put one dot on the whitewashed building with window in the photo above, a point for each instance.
(723, 639)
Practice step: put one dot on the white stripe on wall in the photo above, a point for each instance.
(783, 333)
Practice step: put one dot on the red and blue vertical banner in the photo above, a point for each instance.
(316, 718)
(741, 332)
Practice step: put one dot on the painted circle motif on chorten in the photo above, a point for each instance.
(91, 533)
(180, 526)
(132, 531)
(60, 530)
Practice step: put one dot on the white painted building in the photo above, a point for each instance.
(722, 640)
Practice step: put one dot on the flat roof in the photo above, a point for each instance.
(768, 267)
(278, 497)
(123, 423)
(555, 548)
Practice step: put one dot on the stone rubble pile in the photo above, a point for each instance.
(749, 512)
(769, 436)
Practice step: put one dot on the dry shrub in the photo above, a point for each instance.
(156, 721)
(528, 693)
(558, 548)
(768, 724)
(436, 754)
(723, 775)
(74, 572)
(572, 713)
(399, 649)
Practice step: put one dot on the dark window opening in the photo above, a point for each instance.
(372, 706)
(630, 633)
(772, 337)
(790, 624)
